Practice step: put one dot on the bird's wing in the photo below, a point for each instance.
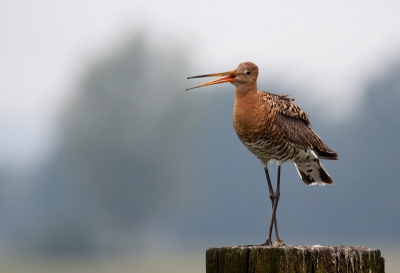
(283, 104)
(298, 132)
(294, 124)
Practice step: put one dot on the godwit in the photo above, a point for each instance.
(273, 128)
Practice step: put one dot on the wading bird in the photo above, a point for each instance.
(273, 128)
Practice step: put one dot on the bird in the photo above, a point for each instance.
(272, 127)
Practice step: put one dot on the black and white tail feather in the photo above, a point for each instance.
(310, 168)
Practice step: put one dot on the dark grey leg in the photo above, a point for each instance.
(274, 196)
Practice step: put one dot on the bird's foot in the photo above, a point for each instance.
(279, 242)
(267, 243)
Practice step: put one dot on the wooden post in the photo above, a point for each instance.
(288, 259)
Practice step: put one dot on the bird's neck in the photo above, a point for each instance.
(244, 113)
(246, 100)
(246, 93)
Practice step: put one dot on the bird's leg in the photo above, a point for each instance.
(276, 198)
(273, 217)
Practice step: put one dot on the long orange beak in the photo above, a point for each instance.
(227, 77)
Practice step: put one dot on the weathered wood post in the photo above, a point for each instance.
(307, 259)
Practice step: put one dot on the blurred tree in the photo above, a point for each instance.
(128, 131)
(124, 158)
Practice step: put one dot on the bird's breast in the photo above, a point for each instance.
(257, 130)
(252, 124)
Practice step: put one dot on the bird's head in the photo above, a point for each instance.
(245, 74)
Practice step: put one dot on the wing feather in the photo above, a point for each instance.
(296, 127)
(294, 124)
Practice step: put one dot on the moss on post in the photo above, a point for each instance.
(317, 259)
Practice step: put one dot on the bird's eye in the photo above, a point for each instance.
(248, 72)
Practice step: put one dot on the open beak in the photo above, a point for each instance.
(227, 77)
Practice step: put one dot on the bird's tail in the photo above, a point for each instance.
(310, 169)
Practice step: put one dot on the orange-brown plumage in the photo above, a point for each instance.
(273, 128)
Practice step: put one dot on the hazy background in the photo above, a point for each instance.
(107, 164)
